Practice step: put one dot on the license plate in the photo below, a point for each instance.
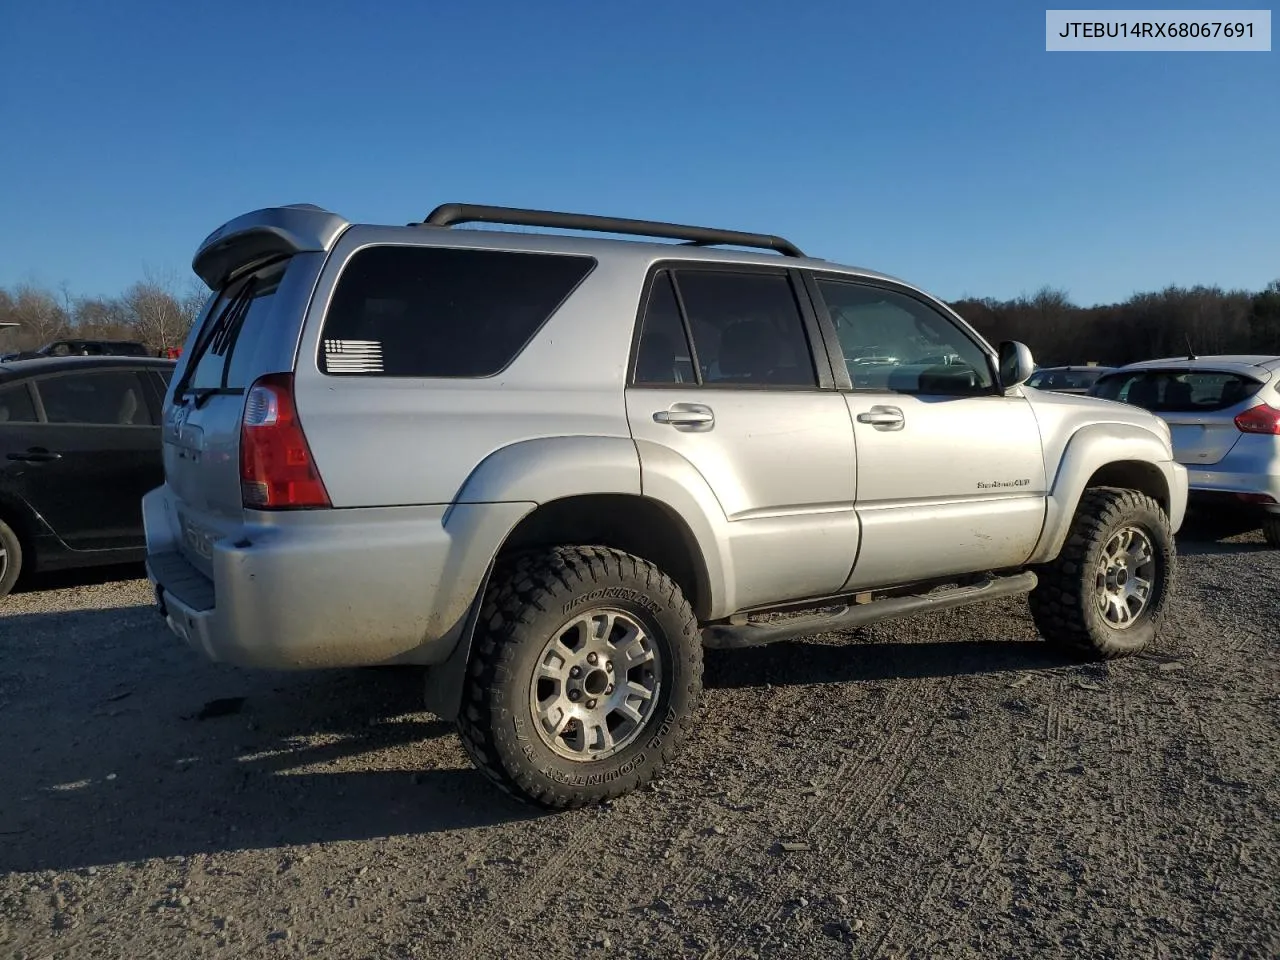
(198, 540)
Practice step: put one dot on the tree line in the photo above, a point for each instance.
(159, 311)
(1168, 323)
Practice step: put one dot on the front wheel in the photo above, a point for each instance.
(585, 669)
(1106, 592)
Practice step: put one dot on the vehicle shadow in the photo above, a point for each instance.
(801, 662)
(79, 577)
(1207, 534)
(119, 744)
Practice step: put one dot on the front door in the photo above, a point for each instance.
(725, 379)
(951, 475)
(98, 453)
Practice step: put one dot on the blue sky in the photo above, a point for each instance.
(937, 142)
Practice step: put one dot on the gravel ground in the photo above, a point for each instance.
(939, 787)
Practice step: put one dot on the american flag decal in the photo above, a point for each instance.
(353, 356)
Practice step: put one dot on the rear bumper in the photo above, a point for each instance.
(324, 589)
(1231, 488)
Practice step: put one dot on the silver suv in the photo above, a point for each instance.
(553, 468)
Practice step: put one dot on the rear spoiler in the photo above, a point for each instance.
(263, 235)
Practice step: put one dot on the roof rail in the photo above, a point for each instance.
(448, 214)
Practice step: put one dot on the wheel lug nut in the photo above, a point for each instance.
(609, 688)
(608, 665)
(575, 671)
(591, 704)
(575, 696)
(592, 659)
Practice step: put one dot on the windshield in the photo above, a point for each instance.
(1063, 379)
(1178, 391)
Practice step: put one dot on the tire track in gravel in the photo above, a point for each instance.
(544, 882)
(894, 707)
(893, 758)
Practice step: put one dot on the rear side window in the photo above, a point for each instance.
(1178, 391)
(108, 397)
(440, 312)
(16, 405)
(747, 329)
(663, 355)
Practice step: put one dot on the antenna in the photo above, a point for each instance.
(1191, 353)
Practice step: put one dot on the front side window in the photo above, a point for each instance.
(441, 312)
(894, 342)
(101, 398)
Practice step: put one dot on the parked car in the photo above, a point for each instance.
(79, 347)
(79, 446)
(1224, 415)
(1067, 379)
(553, 468)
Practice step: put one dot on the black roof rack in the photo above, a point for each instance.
(448, 214)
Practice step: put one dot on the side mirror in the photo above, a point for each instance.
(1016, 364)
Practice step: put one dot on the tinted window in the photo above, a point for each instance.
(436, 312)
(103, 397)
(895, 342)
(238, 321)
(1177, 391)
(16, 405)
(746, 328)
(663, 354)
(1063, 379)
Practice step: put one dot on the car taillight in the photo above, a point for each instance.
(1260, 419)
(276, 468)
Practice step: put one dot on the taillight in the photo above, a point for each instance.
(1259, 419)
(276, 469)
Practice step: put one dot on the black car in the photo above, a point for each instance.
(79, 347)
(79, 446)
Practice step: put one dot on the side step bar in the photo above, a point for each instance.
(732, 636)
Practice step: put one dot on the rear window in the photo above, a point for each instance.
(223, 356)
(439, 312)
(1178, 391)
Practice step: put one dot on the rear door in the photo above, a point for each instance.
(92, 456)
(1200, 405)
(726, 379)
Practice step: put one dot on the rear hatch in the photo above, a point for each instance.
(263, 268)
(1200, 405)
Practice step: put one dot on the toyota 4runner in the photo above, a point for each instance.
(552, 469)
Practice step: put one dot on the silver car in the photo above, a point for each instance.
(1224, 415)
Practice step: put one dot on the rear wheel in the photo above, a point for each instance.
(10, 559)
(585, 669)
(1271, 531)
(1108, 589)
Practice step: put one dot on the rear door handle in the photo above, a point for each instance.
(883, 417)
(693, 415)
(35, 455)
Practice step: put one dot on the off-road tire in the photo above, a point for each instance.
(1063, 604)
(1271, 531)
(10, 559)
(529, 600)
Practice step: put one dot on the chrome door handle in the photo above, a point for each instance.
(686, 415)
(35, 455)
(883, 417)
